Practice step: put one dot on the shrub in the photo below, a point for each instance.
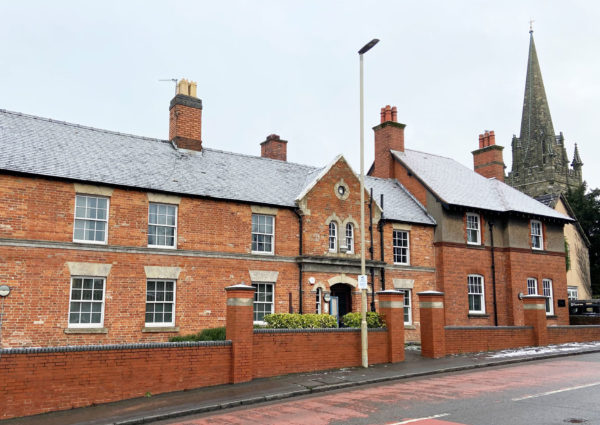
(299, 321)
(212, 334)
(374, 320)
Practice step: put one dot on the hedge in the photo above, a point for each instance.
(211, 334)
(299, 321)
(374, 320)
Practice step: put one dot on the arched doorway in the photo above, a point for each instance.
(344, 294)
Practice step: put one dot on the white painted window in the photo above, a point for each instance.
(86, 304)
(573, 292)
(332, 237)
(350, 237)
(407, 307)
(537, 238)
(162, 225)
(547, 287)
(532, 288)
(263, 233)
(401, 247)
(318, 309)
(476, 294)
(91, 219)
(473, 229)
(160, 302)
(263, 300)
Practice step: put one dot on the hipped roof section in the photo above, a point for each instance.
(56, 149)
(454, 184)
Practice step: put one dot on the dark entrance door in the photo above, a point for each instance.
(344, 294)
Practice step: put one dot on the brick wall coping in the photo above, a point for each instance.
(573, 326)
(109, 347)
(315, 330)
(486, 328)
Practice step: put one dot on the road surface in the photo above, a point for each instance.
(547, 392)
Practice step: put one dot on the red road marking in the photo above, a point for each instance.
(361, 403)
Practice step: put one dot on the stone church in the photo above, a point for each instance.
(540, 164)
(541, 169)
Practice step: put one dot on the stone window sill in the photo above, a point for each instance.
(553, 316)
(478, 316)
(157, 329)
(86, 331)
(410, 327)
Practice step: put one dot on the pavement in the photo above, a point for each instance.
(146, 410)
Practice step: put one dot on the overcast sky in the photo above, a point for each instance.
(453, 69)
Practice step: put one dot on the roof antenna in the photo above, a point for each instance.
(171, 79)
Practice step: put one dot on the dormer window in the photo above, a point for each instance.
(537, 237)
(473, 229)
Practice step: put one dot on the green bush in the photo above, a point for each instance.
(374, 320)
(212, 334)
(299, 321)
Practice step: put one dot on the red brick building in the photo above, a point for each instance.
(113, 238)
(492, 243)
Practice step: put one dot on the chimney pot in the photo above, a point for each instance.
(489, 162)
(185, 117)
(273, 147)
(389, 135)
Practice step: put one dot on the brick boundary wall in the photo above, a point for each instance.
(39, 380)
(307, 350)
(438, 340)
(473, 339)
(580, 333)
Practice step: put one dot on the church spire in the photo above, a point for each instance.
(536, 122)
(540, 164)
(576, 158)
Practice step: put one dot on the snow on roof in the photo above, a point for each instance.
(455, 184)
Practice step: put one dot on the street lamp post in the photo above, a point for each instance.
(363, 293)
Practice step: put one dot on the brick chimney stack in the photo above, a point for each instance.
(488, 160)
(389, 135)
(273, 147)
(185, 117)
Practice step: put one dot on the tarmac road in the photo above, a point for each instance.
(546, 392)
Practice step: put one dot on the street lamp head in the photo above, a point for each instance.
(368, 46)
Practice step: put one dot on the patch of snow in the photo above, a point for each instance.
(550, 349)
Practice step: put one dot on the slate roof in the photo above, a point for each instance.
(398, 203)
(50, 148)
(455, 184)
(548, 200)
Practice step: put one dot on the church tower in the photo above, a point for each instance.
(540, 164)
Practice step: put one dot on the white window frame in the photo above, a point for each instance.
(105, 221)
(272, 235)
(549, 294)
(532, 286)
(92, 301)
(399, 247)
(319, 301)
(477, 219)
(332, 240)
(350, 238)
(470, 285)
(158, 204)
(572, 292)
(407, 306)
(255, 302)
(161, 324)
(537, 234)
